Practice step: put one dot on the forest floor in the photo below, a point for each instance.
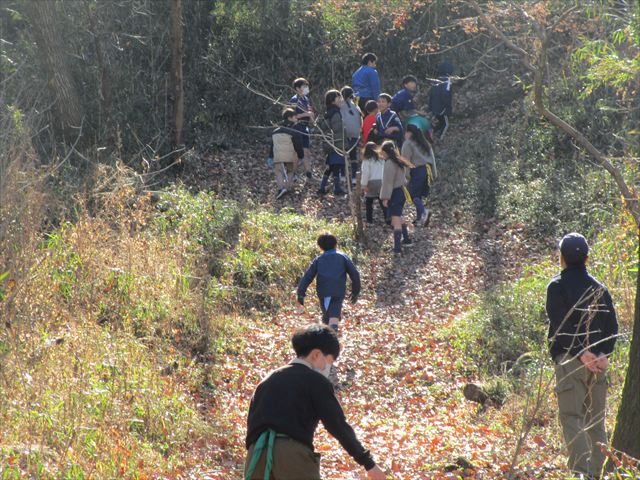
(405, 378)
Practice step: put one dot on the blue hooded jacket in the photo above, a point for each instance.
(365, 82)
(330, 270)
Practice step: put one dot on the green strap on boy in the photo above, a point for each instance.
(266, 438)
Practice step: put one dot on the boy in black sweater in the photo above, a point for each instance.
(286, 408)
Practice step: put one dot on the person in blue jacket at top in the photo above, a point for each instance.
(388, 125)
(365, 81)
(330, 270)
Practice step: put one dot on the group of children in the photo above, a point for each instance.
(388, 139)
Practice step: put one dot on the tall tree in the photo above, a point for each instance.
(45, 20)
(177, 83)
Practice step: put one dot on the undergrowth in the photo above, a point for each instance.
(114, 322)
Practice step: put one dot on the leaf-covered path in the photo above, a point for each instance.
(405, 395)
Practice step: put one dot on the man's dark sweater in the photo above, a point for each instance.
(292, 400)
(591, 326)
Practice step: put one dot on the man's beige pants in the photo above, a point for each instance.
(582, 399)
(284, 174)
(292, 460)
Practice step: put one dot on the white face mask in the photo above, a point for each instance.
(305, 90)
(326, 370)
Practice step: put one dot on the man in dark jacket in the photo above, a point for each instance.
(288, 405)
(330, 270)
(582, 334)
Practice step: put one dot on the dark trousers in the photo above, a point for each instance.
(292, 460)
(368, 203)
(334, 170)
(442, 125)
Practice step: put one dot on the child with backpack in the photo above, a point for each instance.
(388, 125)
(301, 103)
(371, 110)
(371, 179)
(392, 193)
(286, 150)
(330, 269)
(352, 122)
(333, 143)
(417, 149)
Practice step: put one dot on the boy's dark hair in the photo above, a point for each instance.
(370, 106)
(409, 78)
(330, 97)
(326, 241)
(316, 336)
(369, 57)
(346, 92)
(287, 113)
(385, 96)
(299, 82)
(576, 262)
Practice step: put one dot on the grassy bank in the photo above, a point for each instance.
(114, 321)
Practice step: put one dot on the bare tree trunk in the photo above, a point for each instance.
(357, 200)
(106, 96)
(626, 436)
(44, 19)
(177, 84)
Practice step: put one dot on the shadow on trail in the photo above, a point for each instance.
(398, 280)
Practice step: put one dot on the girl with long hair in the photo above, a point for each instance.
(392, 192)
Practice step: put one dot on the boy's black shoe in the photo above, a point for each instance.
(281, 193)
(309, 176)
(339, 192)
(321, 191)
(407, 242)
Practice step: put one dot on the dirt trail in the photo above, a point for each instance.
(405, 398)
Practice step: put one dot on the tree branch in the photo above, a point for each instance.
(629, 195)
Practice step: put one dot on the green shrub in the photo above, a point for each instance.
(209, 224)
(272, 252)
(507, 322)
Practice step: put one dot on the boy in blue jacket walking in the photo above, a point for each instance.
(330, 270)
